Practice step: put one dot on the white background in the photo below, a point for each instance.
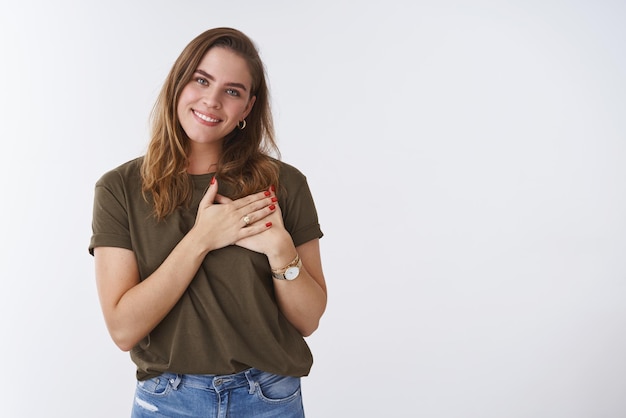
(468, 164)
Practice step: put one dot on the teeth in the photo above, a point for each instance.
(206, 118)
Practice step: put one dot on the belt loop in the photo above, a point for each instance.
(176, 382)
(251, 382)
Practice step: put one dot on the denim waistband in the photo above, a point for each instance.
(214, 381)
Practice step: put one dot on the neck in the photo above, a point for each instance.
(203, 160)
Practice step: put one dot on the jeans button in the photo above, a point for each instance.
(218, 382)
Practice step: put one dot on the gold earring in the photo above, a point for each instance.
(243, 125)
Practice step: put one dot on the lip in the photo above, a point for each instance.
(206, 119)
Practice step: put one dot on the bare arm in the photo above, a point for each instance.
(302, 300)
(132, 308)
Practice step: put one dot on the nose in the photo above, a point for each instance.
(211, 97)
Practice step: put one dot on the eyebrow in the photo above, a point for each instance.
(210, 77)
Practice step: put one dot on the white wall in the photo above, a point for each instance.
(467, 159)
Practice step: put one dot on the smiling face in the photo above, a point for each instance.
(216, 98)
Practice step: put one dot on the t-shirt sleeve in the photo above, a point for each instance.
(299, 212)
(110, 226)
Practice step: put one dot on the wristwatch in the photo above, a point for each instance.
(290, 271)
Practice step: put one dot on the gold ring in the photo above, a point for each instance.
(246, 220)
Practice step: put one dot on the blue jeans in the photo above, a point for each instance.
(251, 393)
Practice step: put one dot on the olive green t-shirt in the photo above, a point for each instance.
(228, 319)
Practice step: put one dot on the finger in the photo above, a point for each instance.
(254, 229)
(260, 208)
(222, 199)
(252, 199)
(257, 215)
(247, 220)
(209, 195)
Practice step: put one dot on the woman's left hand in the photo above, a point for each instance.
(270, 241)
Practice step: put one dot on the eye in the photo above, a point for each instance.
(232, 92)
(202, 81)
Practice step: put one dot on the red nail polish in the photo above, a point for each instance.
(274, 199)
(213, 180)
(272, 188)
(268, 224)
(272, 207)
(267, 193)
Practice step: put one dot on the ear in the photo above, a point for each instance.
(249, 107)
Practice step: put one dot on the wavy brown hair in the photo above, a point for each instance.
(246, 164)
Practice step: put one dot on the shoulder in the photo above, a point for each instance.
(130, 171)
(293, 183)
(288, 173)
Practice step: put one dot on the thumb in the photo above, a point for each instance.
(209, 195)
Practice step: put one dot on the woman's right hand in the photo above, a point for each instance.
(132, 307)
(221, 221)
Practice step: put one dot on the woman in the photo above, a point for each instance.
(207, 248)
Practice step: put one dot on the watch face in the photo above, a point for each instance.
(292, 273)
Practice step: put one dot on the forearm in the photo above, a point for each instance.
(144, 305)
(302, 300)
